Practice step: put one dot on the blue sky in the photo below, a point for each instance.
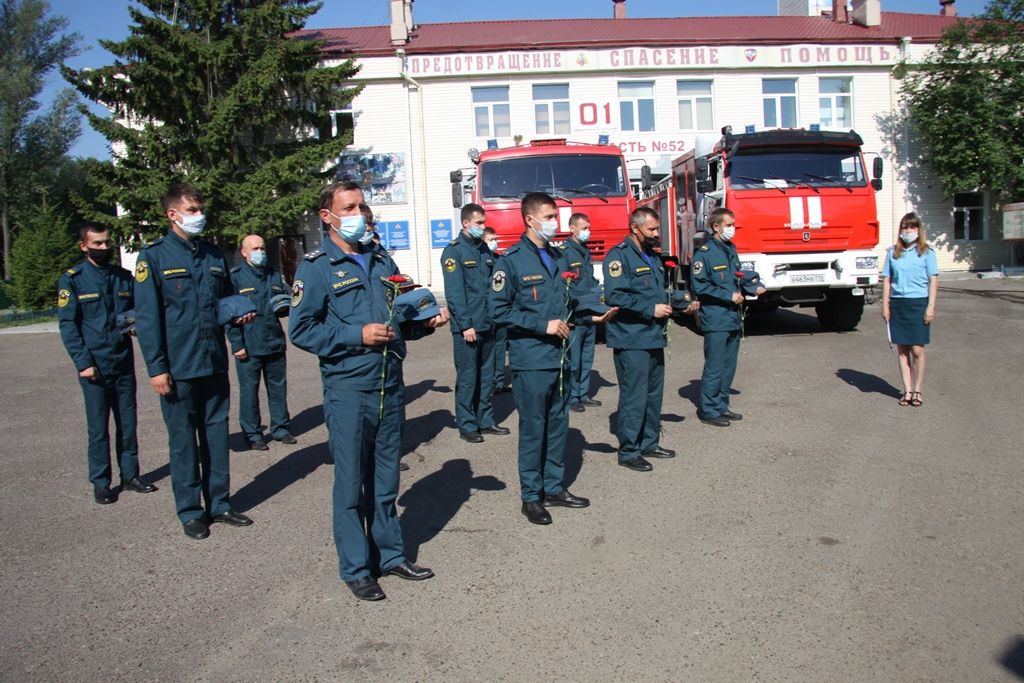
(108, 19)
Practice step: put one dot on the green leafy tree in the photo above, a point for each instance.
(31, 144)
(219, 95)
(44, 249)
(966, 102)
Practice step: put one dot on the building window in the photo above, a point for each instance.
(491, 113)
(835, 102)
(551, 108)
(695, 109)
(636, 105)
(342, 121)
(969, 216)
(779, 98)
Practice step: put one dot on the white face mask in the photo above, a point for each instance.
(547, 230)
(728, 233)
(258, 258)
(909, 237)
(493, 246)
(192, 225)
(584, 236)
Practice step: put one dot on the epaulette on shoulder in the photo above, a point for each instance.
(704, 247)
(511, 250)
(453, 242)
(74, 270)
(314, 255)
(153, 243)
(563, 246)
(236, 269)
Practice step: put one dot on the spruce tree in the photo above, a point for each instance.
(45, 248)
(219, 95)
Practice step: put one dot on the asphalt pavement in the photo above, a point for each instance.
(830, 536)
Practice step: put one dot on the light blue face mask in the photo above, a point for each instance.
(258, 258)
(192, 225)
(476, 232)
(908, 237)
(547, 231)
(584, 236)
(351, 228)
(366, 238)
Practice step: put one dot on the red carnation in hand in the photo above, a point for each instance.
(569, 275)
(671, 263)
(739, 273)
(399, 279)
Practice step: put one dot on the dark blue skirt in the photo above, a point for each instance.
(906, 321)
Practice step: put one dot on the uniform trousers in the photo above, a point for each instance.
(581, 360)
(115, 394)
(273, 368)
(543, 430)
(641, 377)
(721, 350)
(366, 449)
(196, 415)
(474, 381)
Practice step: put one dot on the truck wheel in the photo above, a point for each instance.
(841, 312)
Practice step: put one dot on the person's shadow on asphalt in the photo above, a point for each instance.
(294, 467)
(867, 382)
(433, 501)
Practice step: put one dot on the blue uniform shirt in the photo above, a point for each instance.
(524, 297)
(333, 297)
(264, 335)
(177, 286)
(713, 281)
(88, 302)
(908, 275)
(635, 282)
(467, 264)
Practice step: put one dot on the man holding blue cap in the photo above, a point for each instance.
(91, 297)
(583, 338)
(714, 280)
(346, 310)
(467, 264)
(179, 281)
(259, 348)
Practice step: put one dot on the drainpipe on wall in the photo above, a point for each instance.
(904, 55)
(423, 236)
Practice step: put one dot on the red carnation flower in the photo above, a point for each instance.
(671, 263)
(399, 279)
(739, 273)
(569, 275)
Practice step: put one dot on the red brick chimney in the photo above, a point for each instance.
(947, 8)
(839, 11)
(618, 9)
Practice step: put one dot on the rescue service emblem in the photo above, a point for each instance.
(424, 302)
(698, 266)
(498, 281)
(615, 268)
(141, 271)
(63, 297)
(449, 265)
(297, 293)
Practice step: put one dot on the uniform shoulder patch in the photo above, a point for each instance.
(297, 289)
(141, 271)
(314, 255)
(697, 267)
(498, 281)
(449, 264)
(615, 268)
(63, 297)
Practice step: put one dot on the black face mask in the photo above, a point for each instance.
(100, 257)
(650, 242)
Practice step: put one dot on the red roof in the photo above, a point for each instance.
(537, 34)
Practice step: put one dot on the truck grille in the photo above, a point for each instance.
(834, 237)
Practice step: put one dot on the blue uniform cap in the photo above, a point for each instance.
(231, 307)
(751, 282)
(125, 321)
(280, 304)
(681, 298)
(591, 303)
(416, 304)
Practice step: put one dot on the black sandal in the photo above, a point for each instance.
(908, 396)
(916, 402)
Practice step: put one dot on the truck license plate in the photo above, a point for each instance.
(804, 279)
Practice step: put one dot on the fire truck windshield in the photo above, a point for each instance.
(569, 175)
(796, 165)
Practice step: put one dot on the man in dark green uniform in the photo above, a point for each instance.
(583, 338)
(500, 333)
(179, 280)
(259, 348)
(90, 296)
(634, 281)
(343, 311)
(714, 282)
(467, 264)
(530, 297)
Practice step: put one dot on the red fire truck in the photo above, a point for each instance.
(583, 178)
(805, 215)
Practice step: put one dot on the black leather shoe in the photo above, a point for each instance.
(565, 500)
(233, 518)
(577, 407)
(103, 495)
(637, 464)
(409, 571)
(592, 402)
(366, 588)
(496, 429)
(716, 421)
(402, 467)
(660, 452)
(471, 437)
(729, 415)
(287, 438)
(196, 529)
(536, 513)
(137, 485)
(259, 445)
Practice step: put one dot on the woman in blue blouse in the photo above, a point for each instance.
(909, 285)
